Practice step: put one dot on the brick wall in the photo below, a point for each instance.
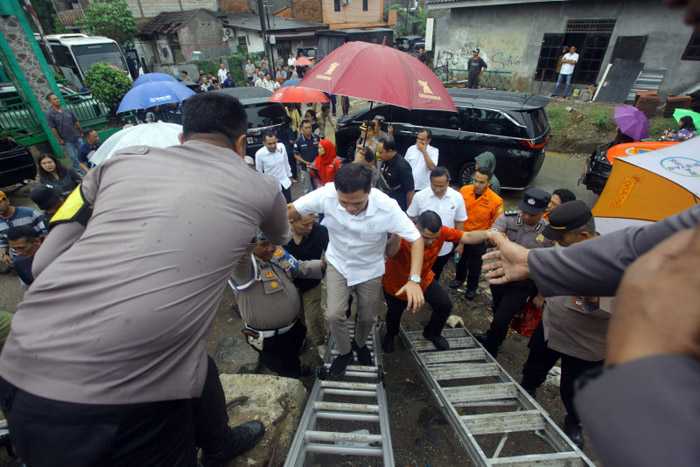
(352, 12)
(308, 10)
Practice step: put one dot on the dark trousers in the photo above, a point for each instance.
(541, 359)
(47, 433)
(435, 296)
(290, 157)
(281, 353)
(287, 194)
(439, 265)
(469, 265)
(508, 299)
(473, 80)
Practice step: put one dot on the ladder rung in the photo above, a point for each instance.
(352, 417)
(346, 385)
(335, 436)
(360, 368)
(504, 422)
(463, 395)
(557, 459)
(346, 407)
(344, 450)
(453, 356)
(449, 371)
(455, 343)
(349, 392)
(446, 333)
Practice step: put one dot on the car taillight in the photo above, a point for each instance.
(531, 145)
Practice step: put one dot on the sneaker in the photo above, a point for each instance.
(364, 357)
(340, 364)
(573, 430)
(455, 284)
(470, 294)
(244, 437)
(388, 343)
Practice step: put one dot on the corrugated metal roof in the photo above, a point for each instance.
(169, 22)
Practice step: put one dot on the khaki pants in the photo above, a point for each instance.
(317, 331)
(368, 302)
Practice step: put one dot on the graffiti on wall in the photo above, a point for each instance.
(499, 56)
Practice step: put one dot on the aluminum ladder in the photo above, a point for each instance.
(486, 407)
(337, 408)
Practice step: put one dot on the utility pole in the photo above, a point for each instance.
(266, 40)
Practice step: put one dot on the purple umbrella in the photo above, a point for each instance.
(632, 122)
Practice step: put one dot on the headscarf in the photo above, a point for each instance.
(328, 163)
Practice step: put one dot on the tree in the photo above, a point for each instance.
(47, 15)
(107, 83)
(111, 18)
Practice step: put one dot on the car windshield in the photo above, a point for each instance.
(88, 55)
(265, 115)
(539, 121)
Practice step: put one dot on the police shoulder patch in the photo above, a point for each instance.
(511, 213)
(73, 209)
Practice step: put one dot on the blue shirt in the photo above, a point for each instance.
(307, 148)
(83, 152)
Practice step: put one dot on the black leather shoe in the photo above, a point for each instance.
(573, 430)
(340, 364)
(388, 344)
(470, 294)
(364, 357)
(244, 437)
(439, 342)
(455, 284)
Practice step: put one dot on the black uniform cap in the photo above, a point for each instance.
(534, 201)
(565, 218)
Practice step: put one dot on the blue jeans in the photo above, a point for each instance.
(567, 89)
(71, 149)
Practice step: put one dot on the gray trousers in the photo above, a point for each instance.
(368, 302)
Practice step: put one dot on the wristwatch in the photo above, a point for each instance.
(414, 278)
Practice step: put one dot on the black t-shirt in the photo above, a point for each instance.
(475, 65)
(399, 176)
(311, 247)
(307, 148)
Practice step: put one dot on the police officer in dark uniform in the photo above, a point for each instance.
(524, 227)
(305, 152)
(397, 173)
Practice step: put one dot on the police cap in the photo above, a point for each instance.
(534, 201)
(565, 218)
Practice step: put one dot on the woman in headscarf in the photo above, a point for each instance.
(326, 164)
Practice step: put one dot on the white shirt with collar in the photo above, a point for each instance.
(357, 243)
(568, 68)
(450, 208)
(275, 164)
(222, 75)
(421, 172)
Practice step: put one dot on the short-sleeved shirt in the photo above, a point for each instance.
(577, 326)
(307, 148)
(399, 176)
(420, 170)
(398, 267)
(483, 210)
(450, 208)
(64, 124)
(22, 216)
(568, 68)
(356, 243)
(311, 247)
(529, 236)
(84, 152)
(475, 65)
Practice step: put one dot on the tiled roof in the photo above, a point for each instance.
(169, 22)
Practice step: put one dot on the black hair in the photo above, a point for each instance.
(22, 231)
(440, 171)
(269, 134)
(483, 171)
(91, 130)
(425, 130)
(353, 177)
(687, 123)
(369, 155)
(48, 96)
(60, 169)
(429, 220)
(564, 195)
(214, 112)
(388, 143)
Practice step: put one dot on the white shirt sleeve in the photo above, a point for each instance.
(414, 208)
(287, 168)
(402, 226)
(461, 211)
(434, 154)
(259, 162)
(411, 155)
(312, 203)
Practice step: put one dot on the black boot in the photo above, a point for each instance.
(243, 438)
(364, 357)
(388, 343)
(340, 364)
(573, 430)
(438, 341)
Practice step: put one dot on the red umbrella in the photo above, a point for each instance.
(379, 73)
(298, 95)
(303, 61)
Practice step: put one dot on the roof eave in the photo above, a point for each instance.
(482, 3)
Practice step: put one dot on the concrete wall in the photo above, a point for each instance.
(510, 36)
(151, 8)
(352, 13)
(254, 39)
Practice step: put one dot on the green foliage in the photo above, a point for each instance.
(58, 27)
(410, 22)
(658, 125)
(111, 18)
(107, 83)
(47, 15)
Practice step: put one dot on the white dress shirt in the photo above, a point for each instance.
(222, 75)
(357, 243)
(421, 172)
(450, 208)
(275, 164)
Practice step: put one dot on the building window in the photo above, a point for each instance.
(692, 52)
(365, 7)
(336, 5)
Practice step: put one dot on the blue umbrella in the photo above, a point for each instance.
(150, 77)
(153, 94)
(290, 82)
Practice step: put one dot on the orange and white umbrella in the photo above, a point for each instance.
(649, 187)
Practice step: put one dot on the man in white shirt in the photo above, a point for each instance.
(359, 219)
(291, 61)
(221, 73)
(423, 158)
(568, 64)
(271, 159)
(447, 203)
(270, 84)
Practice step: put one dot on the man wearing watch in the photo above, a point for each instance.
(398, 271)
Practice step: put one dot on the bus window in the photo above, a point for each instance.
(88, 55)
(64, 60)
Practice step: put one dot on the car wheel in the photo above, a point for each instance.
(466, 173)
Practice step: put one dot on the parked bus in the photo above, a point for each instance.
(76, 53)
